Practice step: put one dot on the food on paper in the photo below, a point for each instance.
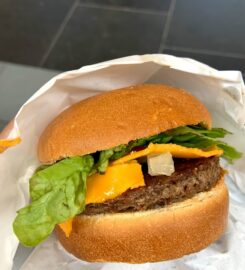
(94, 189)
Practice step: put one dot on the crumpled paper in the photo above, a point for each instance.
(223, 93)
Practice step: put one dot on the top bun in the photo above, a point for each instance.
(117, 117)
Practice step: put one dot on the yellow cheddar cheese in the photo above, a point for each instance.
(5, 144)
(116, 180)
(177, 151)
(66, 227)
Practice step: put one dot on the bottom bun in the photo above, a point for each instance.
(150, 236)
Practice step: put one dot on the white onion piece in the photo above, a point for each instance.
(162, 164)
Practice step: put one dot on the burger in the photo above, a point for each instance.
(130, 175)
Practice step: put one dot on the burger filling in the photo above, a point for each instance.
(190, 177)
(147, 173)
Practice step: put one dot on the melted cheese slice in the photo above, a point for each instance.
(66, 227)
(116, 180)
(102, 187)
(177, 151)
(5, 144)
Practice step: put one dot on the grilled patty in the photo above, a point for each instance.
(190, 177)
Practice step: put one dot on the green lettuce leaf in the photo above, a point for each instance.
(58, 194)
(198, 137)
(230, 153)
(188, 136)
(103, 162)
(119, 151)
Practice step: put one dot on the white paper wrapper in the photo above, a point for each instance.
(223, 92)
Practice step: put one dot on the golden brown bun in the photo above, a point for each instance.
(117, 117)
(150, 236)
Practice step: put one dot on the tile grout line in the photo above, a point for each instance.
(167, 26)
(123, 9)
(205, 51)
(58, 33)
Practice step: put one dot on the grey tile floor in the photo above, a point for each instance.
(2, 124)
(17, 84)
(67, 34)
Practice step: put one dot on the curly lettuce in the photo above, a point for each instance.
(58, 194)
(188, 136)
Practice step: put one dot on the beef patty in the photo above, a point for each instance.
(190, 177)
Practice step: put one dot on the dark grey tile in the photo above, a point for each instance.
(27, 28)
(215, 61)
(145, 4)
(216, 25)
(17, 84)
(93, 35)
